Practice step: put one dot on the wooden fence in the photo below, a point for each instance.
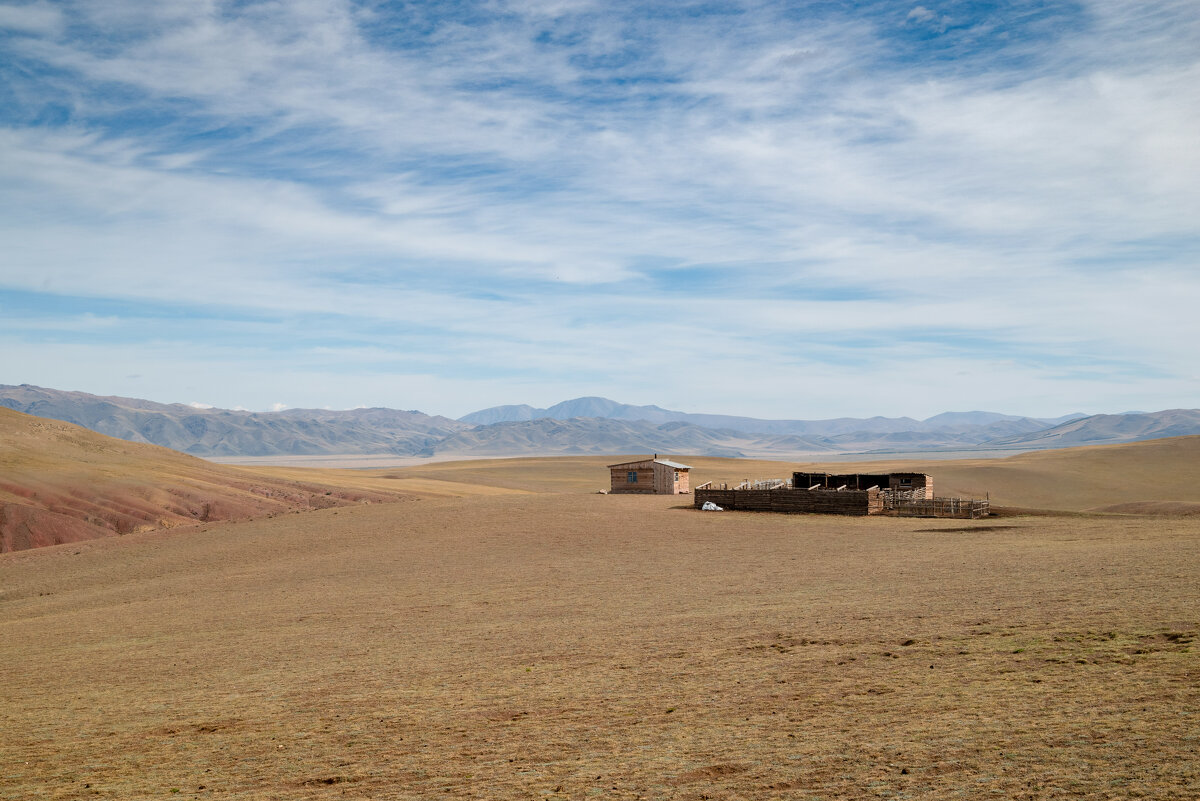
(846, 502)
(836, 502)
(749, 484)
(937, 507)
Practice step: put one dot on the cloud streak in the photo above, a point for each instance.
(507, 199)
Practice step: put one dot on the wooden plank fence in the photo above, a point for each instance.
(846, 502)
(837, 502)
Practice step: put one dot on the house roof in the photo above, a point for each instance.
(666, 462)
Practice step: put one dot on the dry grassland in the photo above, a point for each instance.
(1140, 476)
(558, 645)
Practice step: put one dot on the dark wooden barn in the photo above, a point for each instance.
(919, 485)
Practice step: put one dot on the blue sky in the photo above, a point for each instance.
(763, 208)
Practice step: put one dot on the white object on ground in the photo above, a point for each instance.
(709, 506)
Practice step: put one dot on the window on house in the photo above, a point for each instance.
(631, 477)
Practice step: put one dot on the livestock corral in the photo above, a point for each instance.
(895, 494)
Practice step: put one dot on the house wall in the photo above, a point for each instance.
(665, 480)
(645, 479)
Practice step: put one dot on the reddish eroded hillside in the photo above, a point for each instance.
(61, 483)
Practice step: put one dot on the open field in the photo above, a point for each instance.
(501, 631)
(560, 645)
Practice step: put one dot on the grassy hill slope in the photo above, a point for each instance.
(60, 483)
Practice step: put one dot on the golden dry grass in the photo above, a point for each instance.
(584, 646)
(503, 632)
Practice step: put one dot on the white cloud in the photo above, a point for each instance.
(491, 204)
(32, 18)
(921, 14)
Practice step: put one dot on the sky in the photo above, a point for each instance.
(771, 209)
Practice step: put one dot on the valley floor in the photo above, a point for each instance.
(584, 646)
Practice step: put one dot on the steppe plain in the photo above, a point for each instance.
(501, 631)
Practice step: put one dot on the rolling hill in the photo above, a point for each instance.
(61, 483)
(1089, 478)
(1153, 476)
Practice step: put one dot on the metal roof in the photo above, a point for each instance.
(666, 462)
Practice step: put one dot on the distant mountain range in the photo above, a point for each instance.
(611, 410)
(584, 425)
(223, 432)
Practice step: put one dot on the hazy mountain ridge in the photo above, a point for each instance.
(595, 425)
(224, 432)
(610, 409)
(1103, 429)
(596, 435)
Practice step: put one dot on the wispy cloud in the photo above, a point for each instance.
(470, 202)
(40, 18)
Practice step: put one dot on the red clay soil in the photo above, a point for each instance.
(60, 483)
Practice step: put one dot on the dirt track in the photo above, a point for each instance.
(584, 646)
